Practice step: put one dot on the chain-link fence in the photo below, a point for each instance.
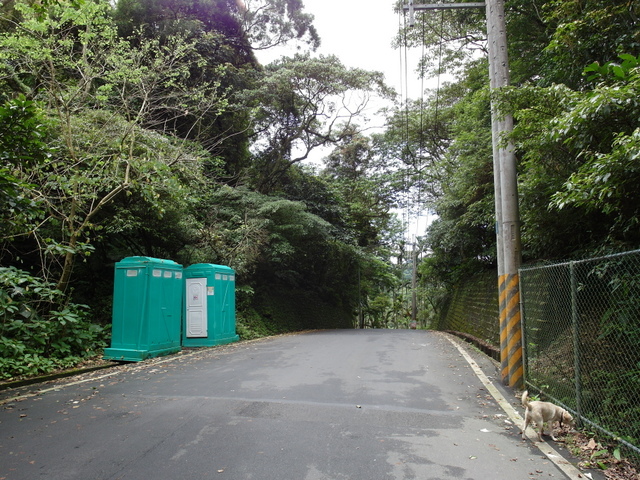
(582, 340)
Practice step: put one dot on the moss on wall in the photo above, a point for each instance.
(472, 308)
(293, 310)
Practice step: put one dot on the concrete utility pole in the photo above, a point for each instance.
(506, 192)
(414, 283)
(508, 233)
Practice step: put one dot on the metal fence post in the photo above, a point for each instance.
(523, 324)
(575, 321)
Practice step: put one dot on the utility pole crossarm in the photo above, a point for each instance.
(438, 6)
(444, 6)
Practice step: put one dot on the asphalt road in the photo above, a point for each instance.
(329, 405)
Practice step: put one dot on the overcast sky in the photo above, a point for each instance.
(360, 34)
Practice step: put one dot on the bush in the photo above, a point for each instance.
(40, 330)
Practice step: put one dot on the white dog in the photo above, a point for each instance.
(541, 413)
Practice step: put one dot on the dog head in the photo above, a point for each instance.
(566, 418)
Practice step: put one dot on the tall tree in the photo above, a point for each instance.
(223, 32)
(365, 184)
(303, 103)
(270, 23)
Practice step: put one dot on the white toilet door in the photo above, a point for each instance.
(196, 307)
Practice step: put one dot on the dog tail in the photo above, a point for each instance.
(525, 399)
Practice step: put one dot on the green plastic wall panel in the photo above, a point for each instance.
(147, 309)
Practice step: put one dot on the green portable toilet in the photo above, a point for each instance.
(210, 305)
(147, 309)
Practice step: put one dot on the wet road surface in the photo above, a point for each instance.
(328, 405)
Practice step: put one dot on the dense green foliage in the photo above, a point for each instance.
(40, 329)
(148, 127)
(574, 99)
